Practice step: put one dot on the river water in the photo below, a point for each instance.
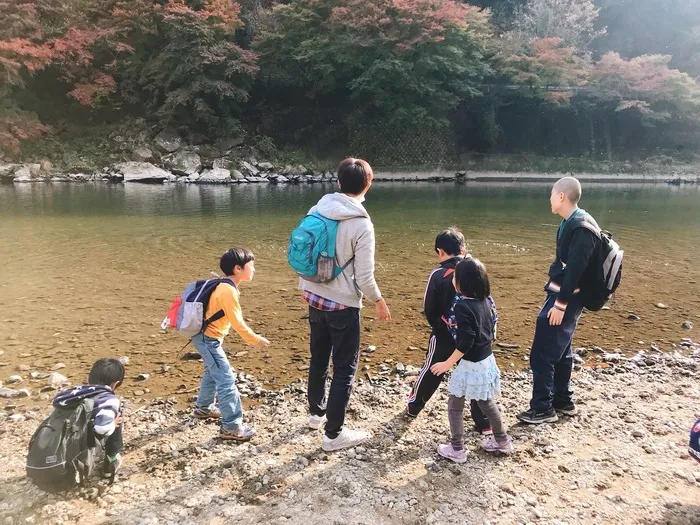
(89, 270)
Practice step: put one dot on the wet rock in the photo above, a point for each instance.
(687, 325)
(56, 380)
(139, 172)
(215, 176)
(168, 141)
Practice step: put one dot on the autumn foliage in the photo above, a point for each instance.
(412, 66)
(174, 59)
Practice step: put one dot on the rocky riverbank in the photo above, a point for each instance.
(170, 157)
(623, 460)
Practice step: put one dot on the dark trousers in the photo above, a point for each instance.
(551, 358)
(114, 443)
(439, 349)
(337, 334)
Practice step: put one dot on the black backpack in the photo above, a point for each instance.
(63, 450)
(606, 272)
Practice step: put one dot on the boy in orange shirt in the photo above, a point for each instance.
(238, 264)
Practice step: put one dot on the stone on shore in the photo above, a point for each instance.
(168, 141)
(215, 176)
(140, 172)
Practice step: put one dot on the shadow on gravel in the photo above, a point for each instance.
(679, 514)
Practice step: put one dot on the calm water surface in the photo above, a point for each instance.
(89, 269)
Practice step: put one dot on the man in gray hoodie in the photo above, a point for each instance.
(334, 307)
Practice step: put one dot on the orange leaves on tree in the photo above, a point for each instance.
(405, 23)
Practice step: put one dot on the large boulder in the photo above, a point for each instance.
(168, 141)
(215, 176)
(28, 173)
(141, 172)
(142, 154)
(7, 171)
(184, 163)
(237, 175)
(249, 170)
(265, 166)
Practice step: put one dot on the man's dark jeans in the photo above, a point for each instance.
(337, 334)
(551, 358)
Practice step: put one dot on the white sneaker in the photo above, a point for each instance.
(346, 439)
(315, 422)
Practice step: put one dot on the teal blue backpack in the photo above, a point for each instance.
(311, 252)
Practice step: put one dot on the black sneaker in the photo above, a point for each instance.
(566, 410)
(537, 418)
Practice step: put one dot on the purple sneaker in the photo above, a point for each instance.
(503, 447)
(448, 452)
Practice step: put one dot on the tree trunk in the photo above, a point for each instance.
(591, 126)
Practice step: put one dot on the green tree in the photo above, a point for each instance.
(403, 62)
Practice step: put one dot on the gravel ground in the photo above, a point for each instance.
(622, 460)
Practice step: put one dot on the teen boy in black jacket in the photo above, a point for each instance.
(451, 248)
(551, 358)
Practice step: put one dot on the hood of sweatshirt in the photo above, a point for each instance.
(338, 206)
(73, 397)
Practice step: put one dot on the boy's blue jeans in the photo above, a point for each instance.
(551, 358)
(218, 379)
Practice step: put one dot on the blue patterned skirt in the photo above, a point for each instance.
(480, 380)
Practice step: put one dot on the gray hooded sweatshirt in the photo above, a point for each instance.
(355, 237)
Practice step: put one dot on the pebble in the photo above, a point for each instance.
(56, 380)
(58, 366)
(661, 306)
(143, 377)
(14, 379)
(17, 418)
(509, 489)
(687, 325)
(124, 360)
(637, 433)
(8, 393)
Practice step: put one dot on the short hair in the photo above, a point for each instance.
(570, 187)
(472, 279)
(354, 175)
(106, 371)
(451, 241)
(235, 257)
